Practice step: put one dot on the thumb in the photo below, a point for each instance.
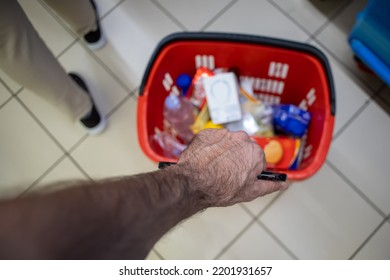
(263, 187)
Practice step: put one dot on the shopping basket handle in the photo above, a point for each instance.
(265, 175)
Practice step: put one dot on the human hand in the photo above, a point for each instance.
(223, 168)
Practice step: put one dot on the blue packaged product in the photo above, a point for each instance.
(291, 120)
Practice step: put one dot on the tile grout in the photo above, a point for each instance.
(254, 217)
(355, 188)
(78, 166)
(367, 239)
(269, 205)
(43, 175)
(277, 7)
(40, 124)
(313, 36)
(274, 236)
(234, 239)
(158, 253)
(351, 120)
(169, 15)
(346, 69)
(218, 15)
(102, 16)
(6, 102)
(10, 91)
(107, 69)
(333, 16)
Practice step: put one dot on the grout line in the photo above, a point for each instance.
(39, 179)
(158, 254)
(45, 129)
(102, 16)
(290, 18)
(78, 143)
(242, 205)
(6, 87)
(169, 15)
(347, 67)
(276, 239)
(367, 240)
(255, 217)
(355, 188)
(270, 204)
(119, 105)
(107, 69)
(218, 15)
(229, 244)
(18, 91)
(351, 120)
(66, 49)
(335, 14)
(6, 102)
(79, 166)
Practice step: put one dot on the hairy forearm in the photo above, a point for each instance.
(113, 219)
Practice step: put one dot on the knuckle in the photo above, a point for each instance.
(240, 135)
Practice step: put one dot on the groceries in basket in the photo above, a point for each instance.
(179, 113)
(168, 143)
(216, 100)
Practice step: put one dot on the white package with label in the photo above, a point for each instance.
(222, 98)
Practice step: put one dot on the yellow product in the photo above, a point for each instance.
(201, 120)
(210, 124)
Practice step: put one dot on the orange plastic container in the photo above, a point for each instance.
(283, 72)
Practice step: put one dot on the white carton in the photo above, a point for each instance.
(222, 98)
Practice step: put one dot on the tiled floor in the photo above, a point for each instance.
(340, 213)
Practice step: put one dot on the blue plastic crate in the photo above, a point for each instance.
(370, 38)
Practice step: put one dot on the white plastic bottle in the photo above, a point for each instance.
(168, 144)
(179, 113)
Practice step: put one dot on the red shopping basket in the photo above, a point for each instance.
(282, 71)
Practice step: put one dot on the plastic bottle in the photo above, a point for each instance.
(170, 146)
(179, 113)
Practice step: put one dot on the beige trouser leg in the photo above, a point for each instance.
(79, 14)
(27, 60)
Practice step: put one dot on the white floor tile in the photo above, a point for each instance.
(50, 30)
(255, 244)
(116, 152)
(321, 218)
(133, 30)
(361, 154)
(258, 18)
(257, 205)
(204, 235)
(194, 14)
(26, 152)
(311, 15)
(62, 176)
(4, 94)
(9, 82)
(378, 247)
(106, 92)
(335, 38)
(350, 93)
